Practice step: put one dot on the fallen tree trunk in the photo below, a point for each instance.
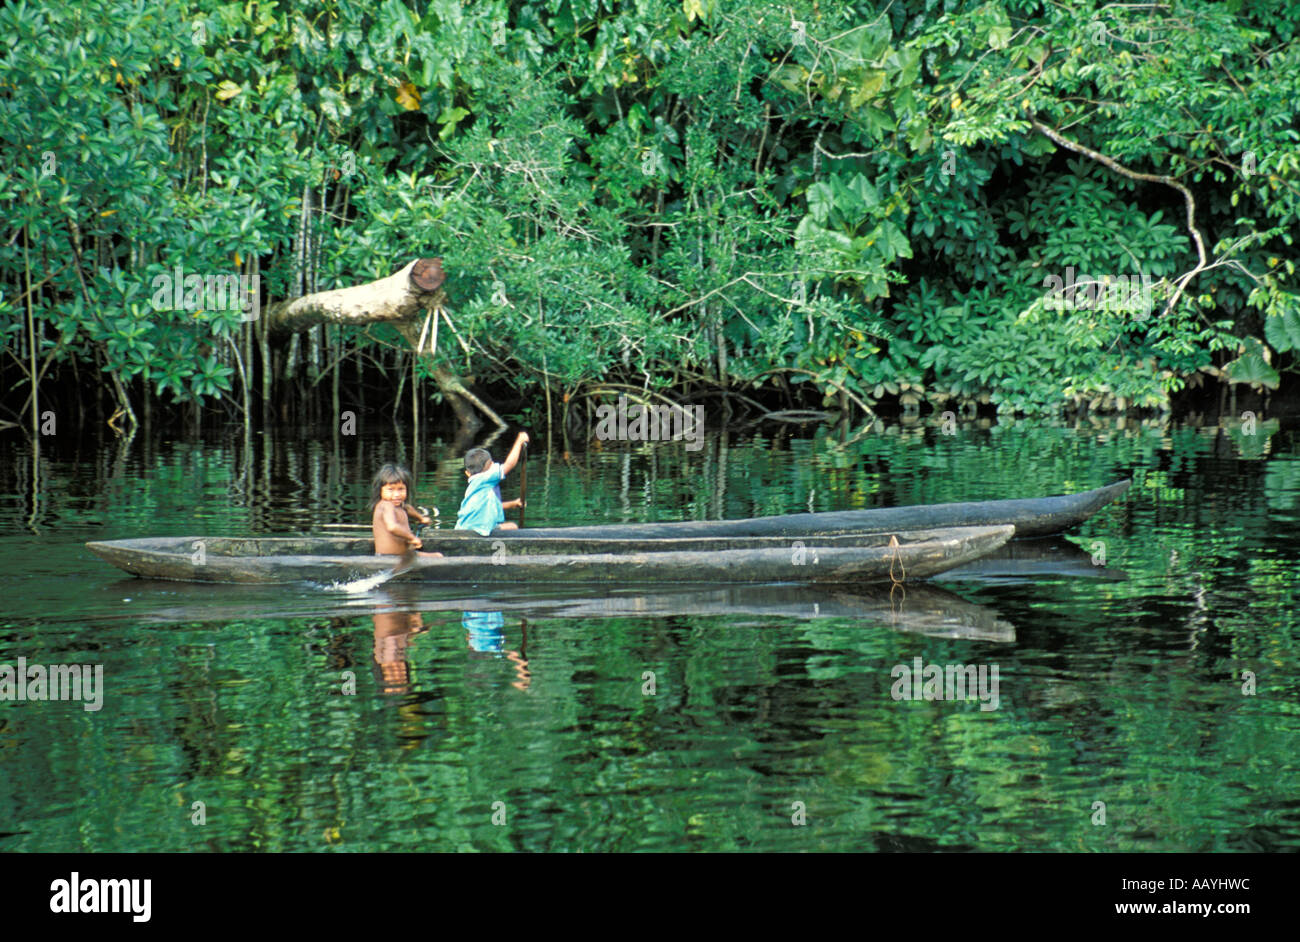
(403, 296)
(404, 299)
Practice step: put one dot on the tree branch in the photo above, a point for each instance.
(1201, 260)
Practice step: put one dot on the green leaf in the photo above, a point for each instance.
(449, 119)
(909, 61)
(1251, 367)
(872, 81)
(861, 187)
(1282, 331)
(897, 241)
(821, 201)
(879, 121)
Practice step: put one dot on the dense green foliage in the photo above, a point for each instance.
(865, 198)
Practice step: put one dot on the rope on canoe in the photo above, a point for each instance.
(897, 580)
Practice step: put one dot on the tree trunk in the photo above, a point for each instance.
(404, 295)
(403, 300)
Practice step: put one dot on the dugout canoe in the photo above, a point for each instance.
(1032, 517)
(1034, 560)
(839, 559)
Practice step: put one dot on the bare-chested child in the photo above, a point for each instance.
(392, 512)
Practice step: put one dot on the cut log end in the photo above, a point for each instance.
(427, 274)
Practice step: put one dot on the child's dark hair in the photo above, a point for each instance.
(477, 460)
(390, 474)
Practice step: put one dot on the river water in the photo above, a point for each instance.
(1146, 688)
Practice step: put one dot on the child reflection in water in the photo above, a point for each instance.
(486, 635)
(393, 633)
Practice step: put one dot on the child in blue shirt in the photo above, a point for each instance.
(482, 510)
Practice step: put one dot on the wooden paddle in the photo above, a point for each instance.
(523, 482)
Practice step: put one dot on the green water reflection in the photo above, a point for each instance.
(301, 720)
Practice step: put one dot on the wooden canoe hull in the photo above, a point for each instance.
(852, 559)
(1031, 560)
(1032, 517)
(463, 543)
